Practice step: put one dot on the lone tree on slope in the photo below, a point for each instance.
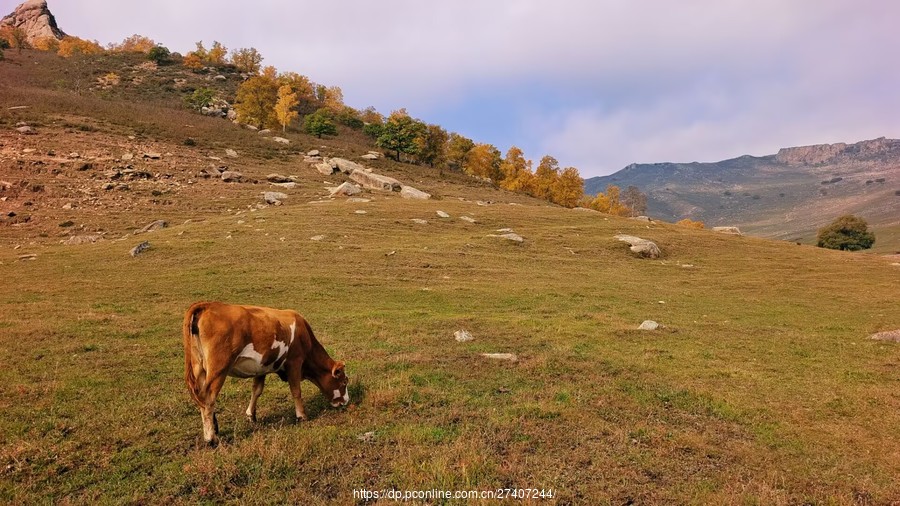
(849, 233)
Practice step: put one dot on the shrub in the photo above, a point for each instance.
(159, 54)
(848, 233)
(687, 222)
(200, 98)
(319, 123)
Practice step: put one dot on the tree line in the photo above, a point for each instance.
(268, 98)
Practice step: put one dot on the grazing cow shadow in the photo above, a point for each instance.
(316, 406)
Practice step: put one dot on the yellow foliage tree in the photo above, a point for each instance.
(286, 106)
(192, 61)
(545, 176)
(46, 43)
(16, 37)
(247, 60)
(609, 203)
(134, 44)
(73, 45)
(302, 86)
(331, 97)
(516, 171)
(255, 101)
(217, 54)
(483, 161)
(568, 189)
(687, 222)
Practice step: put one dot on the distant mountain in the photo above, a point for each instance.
(786, 196)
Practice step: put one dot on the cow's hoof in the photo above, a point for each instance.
(252, 417)
(300, 419)
(213, 443)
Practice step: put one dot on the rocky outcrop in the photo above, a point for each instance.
(408, 192)
(727, 230)
(822, 153)
(35, 19)
(374, 181)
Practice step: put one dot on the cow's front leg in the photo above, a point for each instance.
(258, 383)
(294, 379)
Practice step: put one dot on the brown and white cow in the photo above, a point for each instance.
(250, 342)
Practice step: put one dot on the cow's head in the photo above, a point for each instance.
(334, 385)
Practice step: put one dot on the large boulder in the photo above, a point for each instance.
(152, 227)
(727, 230)
(346, 166)
(346, 189)
(375, 181)
(274, 198)
(408, 192)
(278, 178)
(232, 176)
(641, 247)
(325, 168)
(888, 335)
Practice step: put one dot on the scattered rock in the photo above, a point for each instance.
(26, 257)
(346, 189)
(511, 357)
(126, 157)
(140, 248)
(232, 176)
(462, 336)
(408, 192)
(648, 325)
(151, 227)
(419, 221)
(281, 140)
(264, 131)
(274, 198)
(360, 211)
(888, 335)
(82, 239)
(67, 206)
(317, 238)
(642, 247)
(727, 230)
(312, 159)
(366, 437)
(251, 128)
(231, 153)
(152, 156)
(442, 214)
(585, 209)
(642, 218)
(27, 130)
(210, 172)
(220, 77)
(312, 152)
(468, 219)
(278, 178)
(325, 168)
(504, 230)
(374, 181)
(358, 200)
(512, 237)
(369, 156)
(287, 186)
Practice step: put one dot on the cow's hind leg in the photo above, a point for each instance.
(258, 383)
(208, 409)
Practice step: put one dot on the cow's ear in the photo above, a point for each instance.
(337, 370)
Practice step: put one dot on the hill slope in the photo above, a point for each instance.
(761, 385)
(786, 196)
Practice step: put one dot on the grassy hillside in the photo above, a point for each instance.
(760, 387)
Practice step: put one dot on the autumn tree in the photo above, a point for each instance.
(133, 44)
(458, 149)
(46, 43)
(15, 37)
(319, 123)
(70, 46)
(192, 61)
(255, 101)
(331, 97)
(568, 189)
(217, 54)
(635, 201)
(285, 107)
(515, 171)
(431, 146)
(609, 202)
(247, 59)
(399, 134)
(545, 177)
(484, 161)
(847, 233)
(370, 115)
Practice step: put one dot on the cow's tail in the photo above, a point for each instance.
(194, 360)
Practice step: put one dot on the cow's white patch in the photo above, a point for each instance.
(249, 364)
(346, 397)
(280, 346)
(293, 330)
(337, 395)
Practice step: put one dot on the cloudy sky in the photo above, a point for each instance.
(598, 84)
